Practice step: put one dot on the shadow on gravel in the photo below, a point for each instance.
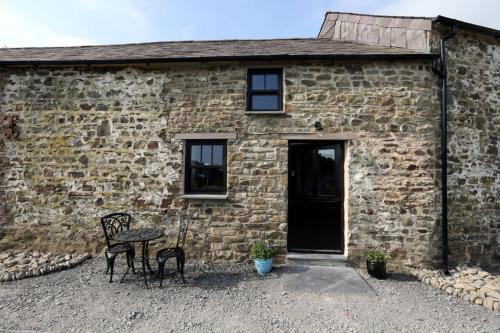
(400, 277)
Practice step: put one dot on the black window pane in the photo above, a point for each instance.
(265, 102)
(327, 153)
(272, 82)
(215, 178)
(218, 155)
(326, 175)
(198, 179)
(206, 155)
(211, 179)
(195, 155)
(206, 167)
(258, 82)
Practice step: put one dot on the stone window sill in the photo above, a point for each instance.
(204, 196)
(282, 112)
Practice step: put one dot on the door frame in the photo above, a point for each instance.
(342, 144)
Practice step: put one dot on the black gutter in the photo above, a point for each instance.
(375, 56)
(465, 25)
(439, 68)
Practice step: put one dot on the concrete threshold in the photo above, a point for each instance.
(317, 259)
(336, 280)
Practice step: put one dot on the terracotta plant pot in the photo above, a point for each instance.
(376, 269)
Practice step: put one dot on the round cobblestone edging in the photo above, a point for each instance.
(31, 264)
(470, 283)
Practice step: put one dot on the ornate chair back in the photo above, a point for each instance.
(181, 237)
(113, 224)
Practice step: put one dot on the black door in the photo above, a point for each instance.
(315, 189)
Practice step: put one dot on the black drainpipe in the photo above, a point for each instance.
(439, 68)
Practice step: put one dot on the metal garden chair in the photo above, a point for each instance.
(111, 225)
(176, 252)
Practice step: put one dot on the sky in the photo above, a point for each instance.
(90, 22)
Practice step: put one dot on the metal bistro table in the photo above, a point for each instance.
(144, 236)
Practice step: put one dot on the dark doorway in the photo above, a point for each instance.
(315, 192)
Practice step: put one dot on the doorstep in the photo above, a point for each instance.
(317, 259)
(336, 280)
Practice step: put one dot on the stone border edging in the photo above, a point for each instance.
(25, 265)
(469, 283)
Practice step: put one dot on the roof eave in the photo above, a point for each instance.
(465, 25)
(373, 56)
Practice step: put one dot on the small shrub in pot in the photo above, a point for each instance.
(375, 264)
(263, 255)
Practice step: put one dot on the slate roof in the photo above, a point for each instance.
(218, 50)
(410, 33)
(395, 22)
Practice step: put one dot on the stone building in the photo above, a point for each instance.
(318, 144)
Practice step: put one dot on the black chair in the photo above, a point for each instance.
(176, 252)
(111, 225)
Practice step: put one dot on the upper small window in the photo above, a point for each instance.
(264, 90)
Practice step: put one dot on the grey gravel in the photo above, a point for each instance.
(227, 298)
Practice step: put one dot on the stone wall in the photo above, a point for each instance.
(3, 168)
(97, 140)
(474, 166)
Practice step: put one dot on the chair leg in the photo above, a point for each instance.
(130, 259)
(183, 261)
(178, 260)
(132, 264)
(161, 268)
(107, 264)
(111, 263)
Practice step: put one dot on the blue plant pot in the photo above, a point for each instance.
(264, 266)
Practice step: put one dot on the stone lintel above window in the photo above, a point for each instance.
(326, 136)
(205, 136)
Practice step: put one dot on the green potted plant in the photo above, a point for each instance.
(263, 255)
(375, 264)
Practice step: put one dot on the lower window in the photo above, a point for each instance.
(206, 166)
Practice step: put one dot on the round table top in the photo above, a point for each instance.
(138, 235)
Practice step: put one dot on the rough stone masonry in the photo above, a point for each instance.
(474, 163)
(98, 139)
(473, 58)
(101, 140)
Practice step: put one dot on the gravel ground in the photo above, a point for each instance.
(227, 298)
